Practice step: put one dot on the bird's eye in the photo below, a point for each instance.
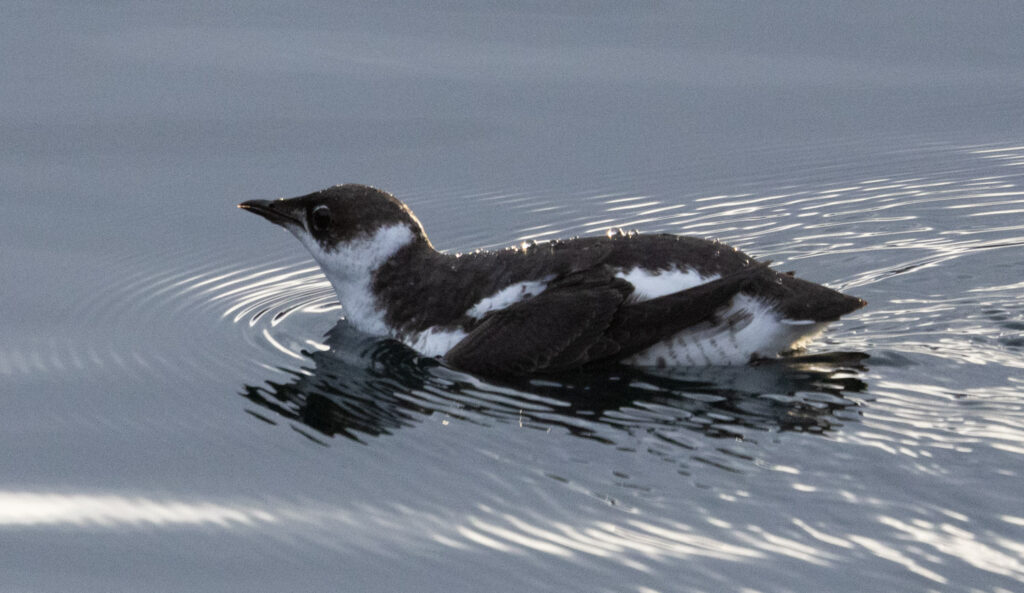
(320, 219)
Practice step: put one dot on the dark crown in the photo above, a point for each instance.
(346, 212)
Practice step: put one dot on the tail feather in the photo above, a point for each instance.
(802, 300)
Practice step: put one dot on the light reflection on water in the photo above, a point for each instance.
(640, 542)
(45, 509)
(636, 543)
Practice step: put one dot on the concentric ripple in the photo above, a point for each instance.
(124, 325)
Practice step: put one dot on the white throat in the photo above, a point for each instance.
(350, 270)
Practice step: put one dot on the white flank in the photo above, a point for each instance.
(350, 270)
(757, 331)
(434, 342)
(651, 284)
(508, 296)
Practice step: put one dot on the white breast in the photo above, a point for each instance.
(350, 270)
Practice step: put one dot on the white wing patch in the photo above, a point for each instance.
(651, 284)
(508, 296)
(750, 328)
(434, 342)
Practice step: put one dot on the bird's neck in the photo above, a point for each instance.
(352, 269)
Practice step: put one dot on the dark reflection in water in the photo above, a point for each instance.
(363, 387)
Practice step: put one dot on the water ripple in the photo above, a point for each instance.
(917, 541)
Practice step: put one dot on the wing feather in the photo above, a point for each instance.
(555, 330)
(583, 319)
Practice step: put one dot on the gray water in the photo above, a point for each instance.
(182, 410)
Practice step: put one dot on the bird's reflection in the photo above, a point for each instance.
(363, 387)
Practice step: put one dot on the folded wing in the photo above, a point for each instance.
(583, 319)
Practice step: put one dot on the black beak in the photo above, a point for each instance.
(276, 211)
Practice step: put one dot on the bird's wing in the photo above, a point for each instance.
(561, 328)
(584, 318)
(638, 326)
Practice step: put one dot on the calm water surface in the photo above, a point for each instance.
(183, 409)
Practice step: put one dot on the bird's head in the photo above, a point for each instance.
(347, 228)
